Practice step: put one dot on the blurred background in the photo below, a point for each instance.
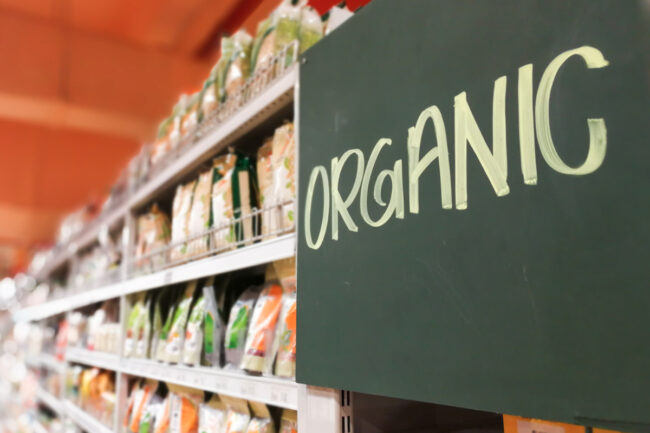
(83, 85)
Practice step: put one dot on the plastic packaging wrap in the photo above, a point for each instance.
(261, 421)
(284, 174)
(190, 118)
(212, 416)
(213, 326)
(180, 219)
(238, 324)
(153, 235)
(311, 28)
(194, 334)
(199, 219)
(184, 409)
(222, 201)
(176, 334)
(289, 421)
(258, 354)
(238, 415)
(236, 52)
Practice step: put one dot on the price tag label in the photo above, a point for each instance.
(219, 384)
(247, 389)
(279, 395)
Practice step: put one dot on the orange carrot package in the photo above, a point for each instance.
(140, 401)
(184, 409)
(258, 353)
(161, 424)
(284, 345)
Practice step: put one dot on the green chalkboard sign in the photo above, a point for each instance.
(475, 207)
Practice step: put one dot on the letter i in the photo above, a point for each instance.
(527, 125)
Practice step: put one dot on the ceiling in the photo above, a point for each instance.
(83, 84)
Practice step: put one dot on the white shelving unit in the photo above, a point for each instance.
(319, 410)
(49, 400)
(46, 361)
(253, 255)
(84, 420)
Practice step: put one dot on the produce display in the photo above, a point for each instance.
(218, 211)
(202, 323)
(98, 331)
(93, 390)
(237, 185)
(157, 407)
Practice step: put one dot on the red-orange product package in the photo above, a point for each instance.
(184, 409)
(258, 356)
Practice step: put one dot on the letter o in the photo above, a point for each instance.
(318, 170)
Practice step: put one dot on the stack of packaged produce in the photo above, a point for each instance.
(93, 390)
(98, 331)
(245, 62)
(156, 407)
(245, 323)
(221, 209)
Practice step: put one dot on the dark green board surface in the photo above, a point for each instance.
(536, 303)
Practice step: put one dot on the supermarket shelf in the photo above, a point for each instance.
(253, 255)
(49, 400)
(107, 361)
(267, 103)
(44, 360)
(273, 391)
(84, 419)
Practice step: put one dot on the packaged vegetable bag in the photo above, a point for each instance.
(258, 356)
(311, 28)
(222, 202)
(284, 175)
(149, 415)
(176, 335)
(213, 326)
(144, 328)
(284, 346)
(212, 416)
(194, 333)
(153, 235)
(184, 409)
(238, 416)
(140, 402)
(236, 52)
(274, 34)
(199, 219)
(180, 218)
(289, 421)
(161, 424)
(244, 199)
(238, 324)
(265, 184)
(285, 364)
(190, 118)
(261, 421)
(210, 93)
(132, 322)
(172, 297)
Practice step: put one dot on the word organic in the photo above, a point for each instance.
(532, 121)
